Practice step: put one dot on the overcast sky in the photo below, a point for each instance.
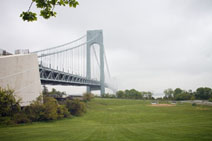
(151, 45)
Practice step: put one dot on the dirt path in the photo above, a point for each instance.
(162, 105)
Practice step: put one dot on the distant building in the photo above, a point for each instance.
(22, 51)
(4, 52)
(69, 97)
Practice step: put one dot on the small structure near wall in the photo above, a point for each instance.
(4, 52)
(21, 74)
(72, 97)
(22, 51)
(69, 97)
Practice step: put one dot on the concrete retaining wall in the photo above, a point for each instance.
(21, 73)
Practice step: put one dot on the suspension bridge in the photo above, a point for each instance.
(81, 62)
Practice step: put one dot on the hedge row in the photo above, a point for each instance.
(42, 109)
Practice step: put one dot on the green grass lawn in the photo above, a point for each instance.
(121, 120)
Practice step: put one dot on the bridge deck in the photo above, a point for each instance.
(55, 77)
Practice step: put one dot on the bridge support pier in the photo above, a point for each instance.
(98, 35)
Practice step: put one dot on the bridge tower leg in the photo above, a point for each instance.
(95, 37)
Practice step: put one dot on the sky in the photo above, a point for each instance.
(151, 45)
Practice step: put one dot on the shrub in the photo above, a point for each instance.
(76, 107)
(35, 111)
(210, 99)
(50, 108)
(8, 104)
(46, 108)
(62, 111)
(194, 104)
(107, 95)
(87, 97)
(21, 118)
(6, 121)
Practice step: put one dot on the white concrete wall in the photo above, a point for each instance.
(21, 73)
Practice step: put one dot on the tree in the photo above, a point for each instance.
(120, 94)
(184, 95)
(54, 93)
(168, 93)
(46, 8)
(45, 90)
(203, 93)
(177, 91)
(135, 94)
(178, 94)
(148, 95)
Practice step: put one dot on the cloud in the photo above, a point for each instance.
(151, 45)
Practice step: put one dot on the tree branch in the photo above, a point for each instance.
(30, 6)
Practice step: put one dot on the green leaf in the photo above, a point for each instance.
(46, 7)
(28, 16)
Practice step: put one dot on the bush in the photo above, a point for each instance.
(194, 104)
(6, 121)
(35, 111)
(87, 97)
(21, 118)
(107, 95)
(62, 112)
(75, 107)
(8, 104)
(50, 108)
(210, 99)
(46, 108)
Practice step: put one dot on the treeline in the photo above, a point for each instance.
(43, 109)
(53, 93)
(130, 94)
(134, 94)
(202, 93)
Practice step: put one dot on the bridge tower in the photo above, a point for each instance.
(95, 37)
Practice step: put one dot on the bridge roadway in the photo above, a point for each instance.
(50, 76)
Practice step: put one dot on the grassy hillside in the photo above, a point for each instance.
(121, 120)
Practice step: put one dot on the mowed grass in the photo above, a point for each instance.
(121, 120)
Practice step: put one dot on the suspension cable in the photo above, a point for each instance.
(48, 54)
(106, 63)
(60, 45)
(94, 50)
